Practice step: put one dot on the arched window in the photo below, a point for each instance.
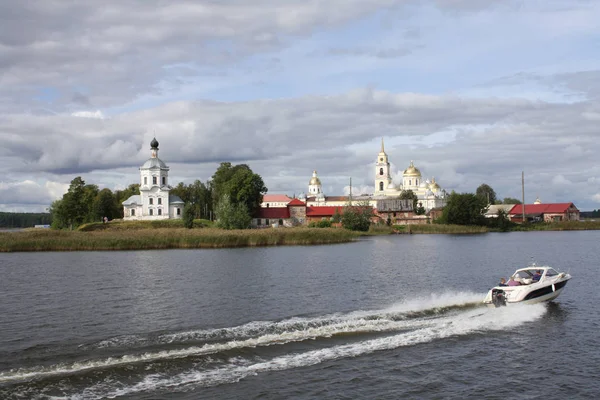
(178, 211)
(164, 180)
(409, 182)
(150, 201)
(159, 211)
(151, 212)
(154, 180)
(380, 171)
(145, 180)
(159, 200)
(381, 186)
(416, 182)
(132, 212)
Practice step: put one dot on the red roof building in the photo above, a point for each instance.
(551, 212)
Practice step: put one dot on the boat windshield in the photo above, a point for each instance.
(551, 272)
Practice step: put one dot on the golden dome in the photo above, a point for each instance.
(412, 170)
(314, 180)
(433, 186)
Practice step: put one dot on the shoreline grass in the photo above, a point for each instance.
(558, 226)
(166, 238)
(441, 229)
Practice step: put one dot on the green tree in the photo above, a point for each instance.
(231, 215)
(409, 195)
(357, 218)
(198, 195)
(510, 200)
(188, 216)
(241, 185)
(105, 205)
(60, 217)
(464, 209)
(90, 192)
(420, 209)
(73, 203)
(485, 192)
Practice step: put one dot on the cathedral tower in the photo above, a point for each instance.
(382, 172)
(314, 186)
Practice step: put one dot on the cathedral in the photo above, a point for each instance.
(154, 201)
(429, 193)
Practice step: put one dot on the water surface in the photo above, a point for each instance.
(387, 317)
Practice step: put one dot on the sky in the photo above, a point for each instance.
(473, 91)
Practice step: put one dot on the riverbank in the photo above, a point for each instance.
(119, 237)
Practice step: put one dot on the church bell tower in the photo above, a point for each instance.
(382, 172)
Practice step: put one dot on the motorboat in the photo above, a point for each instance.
(529, 285)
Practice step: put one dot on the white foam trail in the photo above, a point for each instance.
(472, 321)
(262, 333)
(436, 301)
(348, 326)
(255, 328)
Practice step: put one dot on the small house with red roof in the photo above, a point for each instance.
(538, 212)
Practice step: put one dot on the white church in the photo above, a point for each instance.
(154, 201)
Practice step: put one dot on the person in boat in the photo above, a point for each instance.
(537, 276)
(502, 282)
(514, 281)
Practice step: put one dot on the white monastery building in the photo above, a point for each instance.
(429, 193)
(154, 201)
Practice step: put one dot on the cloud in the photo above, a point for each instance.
(89, 114)
(473, 91)
(30, 193)
(493, 140)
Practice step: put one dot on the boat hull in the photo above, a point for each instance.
(527, 294)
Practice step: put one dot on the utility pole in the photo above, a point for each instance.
(350, 196)
(523, 193)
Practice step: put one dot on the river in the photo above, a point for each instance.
(386, 317)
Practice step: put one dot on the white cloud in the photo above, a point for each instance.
(89, 114)
(29, 195)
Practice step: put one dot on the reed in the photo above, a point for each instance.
(166, 238)
(559, 226)
(136, 225)
(442, 228)
(376, 230)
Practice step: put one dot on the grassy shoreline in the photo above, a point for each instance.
(166, 238)
(138, 235)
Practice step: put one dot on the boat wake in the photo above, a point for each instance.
(209, 357)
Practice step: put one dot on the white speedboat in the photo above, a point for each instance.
(533, 284)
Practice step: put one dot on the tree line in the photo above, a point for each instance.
(470, 208)
(231, 196)
(23, 220)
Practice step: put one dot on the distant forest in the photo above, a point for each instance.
(24, 220)
(590, 214)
